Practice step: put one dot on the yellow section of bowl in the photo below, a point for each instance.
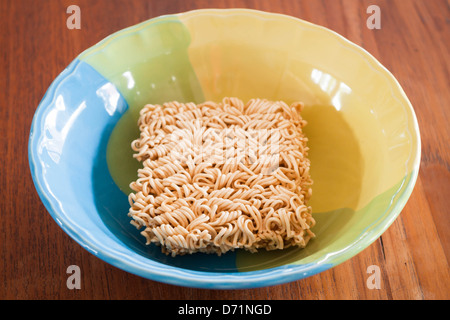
(250, 54)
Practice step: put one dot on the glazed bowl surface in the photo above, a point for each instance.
(363, 137)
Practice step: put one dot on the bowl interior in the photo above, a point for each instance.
(363, 136)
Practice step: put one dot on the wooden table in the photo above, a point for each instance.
(413, 43)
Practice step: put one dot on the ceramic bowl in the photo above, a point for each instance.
(363, 137)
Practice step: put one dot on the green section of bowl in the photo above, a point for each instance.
(148, 63)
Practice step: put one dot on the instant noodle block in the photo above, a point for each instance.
(222, 176)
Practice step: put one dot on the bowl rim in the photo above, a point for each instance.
(241, 279)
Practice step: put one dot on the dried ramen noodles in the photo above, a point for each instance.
(222, 176)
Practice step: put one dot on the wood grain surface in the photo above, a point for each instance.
(35, 46)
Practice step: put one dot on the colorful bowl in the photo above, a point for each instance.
(363, 137)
